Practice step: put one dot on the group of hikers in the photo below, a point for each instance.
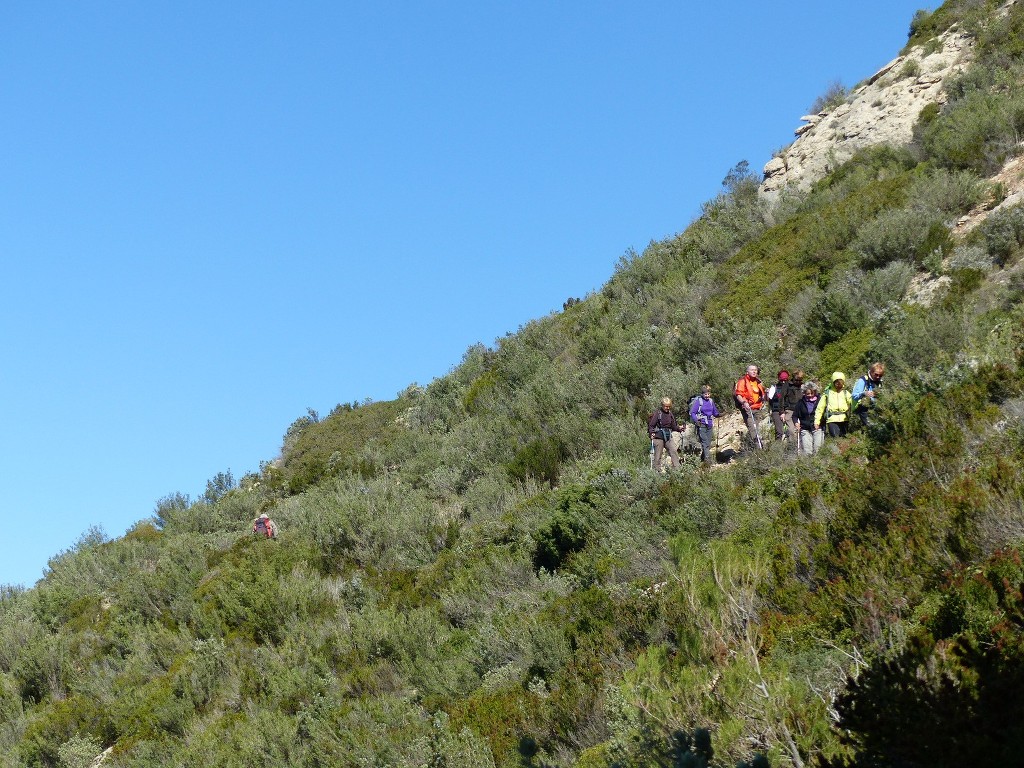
(800, 411)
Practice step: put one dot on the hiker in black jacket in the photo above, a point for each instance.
(812, 436)
(660, 426)
(782, 399)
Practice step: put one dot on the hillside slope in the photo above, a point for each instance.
(484, 571)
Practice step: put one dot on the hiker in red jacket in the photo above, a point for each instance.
(264, 526)
(750, 397)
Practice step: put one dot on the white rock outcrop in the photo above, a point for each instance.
(882, 110)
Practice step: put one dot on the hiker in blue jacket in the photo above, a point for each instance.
(703, 413)
(864, 391)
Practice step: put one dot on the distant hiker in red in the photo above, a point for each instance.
(264, 526)
(750, 397)
(660, 426)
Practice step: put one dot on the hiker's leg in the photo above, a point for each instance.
(792, 428)
(750, 421)
(837, 429)
(779, 423)
(760, 417)
(704, 434)
(673, 454)
(677, 441)
(817, 440)
(659, 447)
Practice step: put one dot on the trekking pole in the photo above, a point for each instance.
(751, 425)
(652, 454)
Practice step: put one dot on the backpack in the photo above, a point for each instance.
(702, 419)
(777, 396)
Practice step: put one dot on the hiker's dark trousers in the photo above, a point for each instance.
(704, 435)
(836, 428)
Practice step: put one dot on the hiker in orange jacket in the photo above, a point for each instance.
(751, 396)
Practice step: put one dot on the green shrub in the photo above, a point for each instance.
(334, 445)
(908, 234)
(53, 728)
(79, 752)
(731, 219)
(567, 531)
(480, 389)
(632, 370)
(848, 353)
(1003, 233)
(539, 459)
(949, 192)
(911, 69)
(372, 523)
(919, 339)
(956, 687)
(853, 302)
(834, 95)
(925, 25)
(976, 133)
(764, 275)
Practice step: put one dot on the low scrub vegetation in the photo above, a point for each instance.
(485, 572)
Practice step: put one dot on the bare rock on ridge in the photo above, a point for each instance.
(882, 110)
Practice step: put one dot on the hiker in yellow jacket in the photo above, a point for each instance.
(835, 407)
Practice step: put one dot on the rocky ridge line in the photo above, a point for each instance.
(882, 110)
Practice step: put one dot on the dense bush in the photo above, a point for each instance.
(1003, 233)
(956, 688)
(976, 133)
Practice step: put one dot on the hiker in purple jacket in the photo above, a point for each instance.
(703, 413)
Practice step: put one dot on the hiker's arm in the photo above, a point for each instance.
(858, 390)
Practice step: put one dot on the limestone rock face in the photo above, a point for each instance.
(882, 110)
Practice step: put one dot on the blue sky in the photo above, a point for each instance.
(215, 215)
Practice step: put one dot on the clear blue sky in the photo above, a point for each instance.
(215, 215)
